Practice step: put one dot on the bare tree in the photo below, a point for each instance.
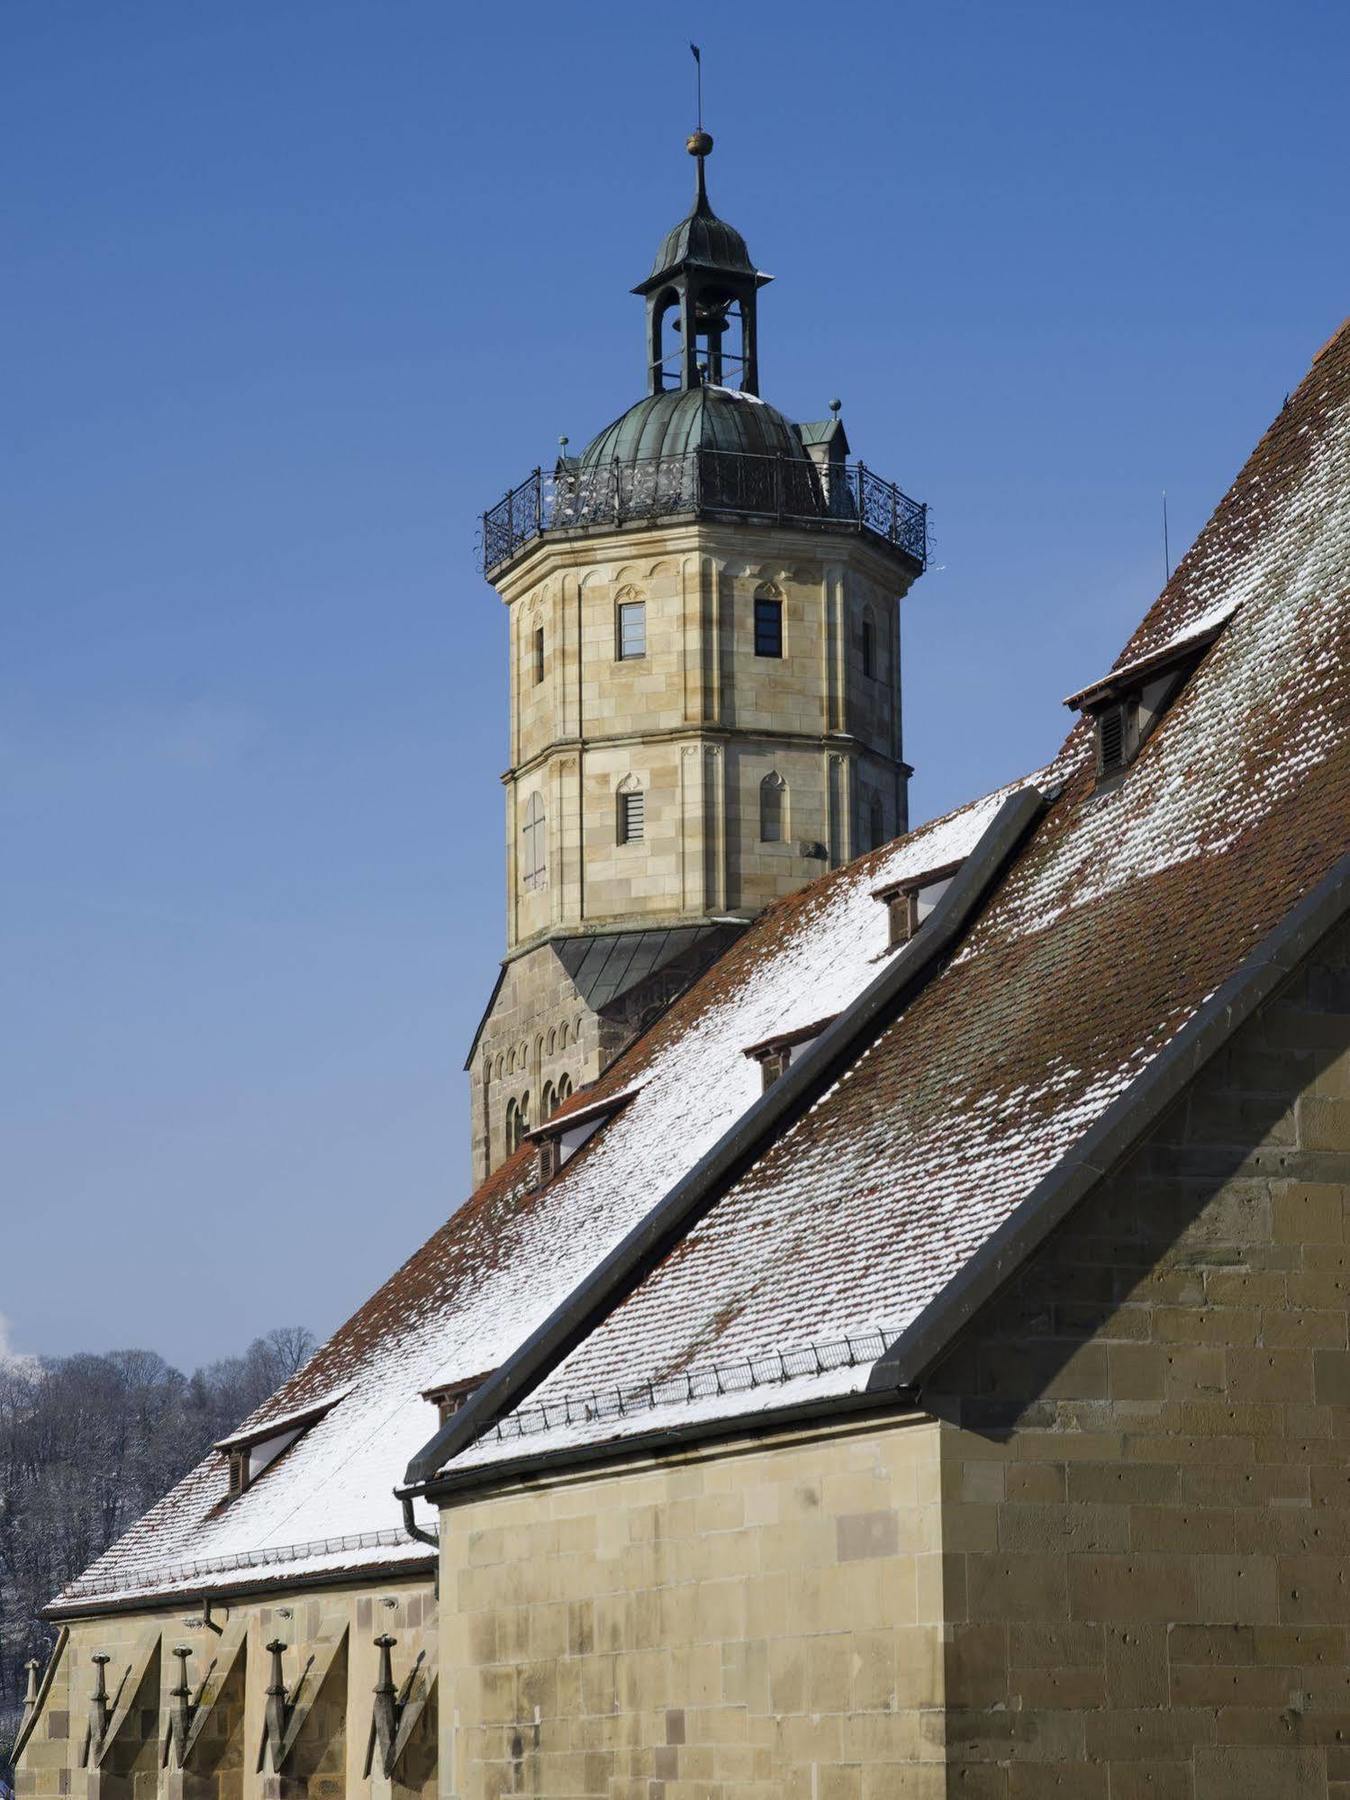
(87, 1444)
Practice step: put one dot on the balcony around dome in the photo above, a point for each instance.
(707, 452)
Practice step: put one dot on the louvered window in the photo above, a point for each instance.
(1112, 739)
(632, 817)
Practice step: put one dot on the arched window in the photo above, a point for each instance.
(772, 807)
(768, 622)
(515, 1127)
(548, 1102)
(631, 822)
(869, 645)
(564, 1088)
(876, 827)
(534, 866)
(552, 1039)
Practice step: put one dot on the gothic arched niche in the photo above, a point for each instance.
(773, 827)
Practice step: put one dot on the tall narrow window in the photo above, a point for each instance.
(631, 629)
(548, 1101)
(632, 815)
(876, 829)
(538, 654)
(534, 862)
(869, 647)
(564, 1088)
(768, 625)
(771, 795)
(515, 1126)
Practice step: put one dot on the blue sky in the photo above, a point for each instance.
(295, 289)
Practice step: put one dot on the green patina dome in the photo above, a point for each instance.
(701, 418)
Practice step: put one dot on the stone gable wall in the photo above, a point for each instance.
(760, 1624)
(1146, 1456)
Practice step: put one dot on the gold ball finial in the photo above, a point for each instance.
(699, 143)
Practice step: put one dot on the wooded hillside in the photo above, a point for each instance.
(87, 1443)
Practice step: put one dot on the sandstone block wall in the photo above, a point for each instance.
(1146, 1456)
(755, 1625)
(689, 718)
(328, 1757)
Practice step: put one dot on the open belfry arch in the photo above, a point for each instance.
(705, 597)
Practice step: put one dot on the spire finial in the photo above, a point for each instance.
(699, 142)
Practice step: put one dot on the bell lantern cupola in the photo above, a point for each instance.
(701, 298)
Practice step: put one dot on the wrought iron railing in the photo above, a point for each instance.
(710, 482)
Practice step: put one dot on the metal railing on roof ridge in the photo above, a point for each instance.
(172, 1573)
(769, 1369)
(712, 482)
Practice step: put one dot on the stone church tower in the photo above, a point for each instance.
(703, 619)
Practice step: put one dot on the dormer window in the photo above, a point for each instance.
(909, 902)
(253, 1451)
(776, 1055)
(449, 1397)
(1126, 706)
(557, 1140)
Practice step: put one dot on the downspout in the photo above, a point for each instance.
(413, 1529)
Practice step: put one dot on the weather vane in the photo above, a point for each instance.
(698, 82)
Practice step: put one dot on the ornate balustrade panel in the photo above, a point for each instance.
(703, 482)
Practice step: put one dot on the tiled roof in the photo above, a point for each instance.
(1122, 914)
(511, 1254)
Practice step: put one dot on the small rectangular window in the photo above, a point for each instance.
(773, 1066)
(538, 655)
(768, 626)
(632, 632)
(632, 817)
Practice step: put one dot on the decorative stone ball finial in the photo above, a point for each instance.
(699, 143)
(835, 406)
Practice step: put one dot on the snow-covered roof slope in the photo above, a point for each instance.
(512, 1253)
(1124, 911)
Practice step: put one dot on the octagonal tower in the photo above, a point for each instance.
(704, 637)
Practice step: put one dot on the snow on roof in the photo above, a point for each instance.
(857, 1216)
(1122, 914)
(512, 1253)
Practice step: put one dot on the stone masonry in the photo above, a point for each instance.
(697, 725)
(1107, 1563)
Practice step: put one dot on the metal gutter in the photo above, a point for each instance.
(1133, 1113)
(902, 977)
(678, 1439)
(156, 1600)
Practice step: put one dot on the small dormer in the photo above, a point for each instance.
(557, 1140)
(254, 1449)
(449, 1396)
(826, 443)
(909, 902)
(1126, 706)
(777, 1054)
